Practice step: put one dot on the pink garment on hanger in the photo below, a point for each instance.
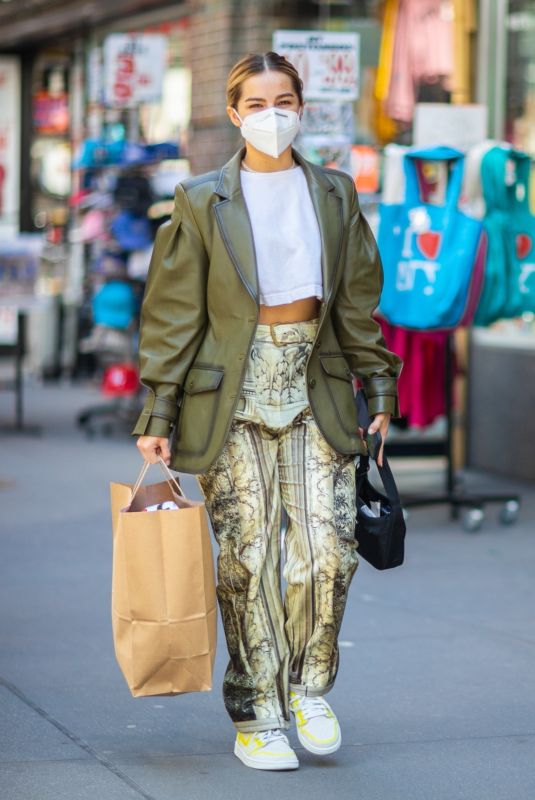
(421, 383)
(423, 52)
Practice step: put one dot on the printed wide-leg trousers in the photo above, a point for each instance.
(275, 456)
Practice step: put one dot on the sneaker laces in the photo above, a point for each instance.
(270, 736)
(311, 707)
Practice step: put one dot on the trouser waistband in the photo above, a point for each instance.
(281, 333)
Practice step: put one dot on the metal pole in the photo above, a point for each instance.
(19, 411)
(448, 389)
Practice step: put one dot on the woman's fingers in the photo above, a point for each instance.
(165, 452)
(152, 448)
(380, 423)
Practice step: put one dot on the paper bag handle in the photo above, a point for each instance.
(170, 478)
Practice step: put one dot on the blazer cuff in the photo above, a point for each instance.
(157, 417)
(382, 395)
(152, 426)
(383, 404)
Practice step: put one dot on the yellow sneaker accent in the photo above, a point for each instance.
(317, 727)
(265, 750)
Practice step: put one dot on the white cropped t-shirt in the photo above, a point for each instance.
(286, 235)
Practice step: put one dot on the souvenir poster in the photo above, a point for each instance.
(328, 62)
(134, 67)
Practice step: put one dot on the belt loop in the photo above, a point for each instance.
(273, 336)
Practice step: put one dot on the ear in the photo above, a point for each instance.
(233, 117)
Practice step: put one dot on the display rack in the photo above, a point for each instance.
(454, 494)
(16, 351)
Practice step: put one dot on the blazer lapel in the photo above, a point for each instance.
(328, 207)
(235, 226)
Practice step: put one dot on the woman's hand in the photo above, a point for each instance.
(154, 447)
(380, 423)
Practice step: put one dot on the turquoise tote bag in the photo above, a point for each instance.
(495, 285)
(509, 285)
(521, 243)
(428, 251)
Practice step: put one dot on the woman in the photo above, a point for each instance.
(256, 317)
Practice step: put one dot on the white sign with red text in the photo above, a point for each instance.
(327, 62)
(9, 145)
(134, 67)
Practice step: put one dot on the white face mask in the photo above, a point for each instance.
(271, 130)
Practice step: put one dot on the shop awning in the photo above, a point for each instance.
(27, 22)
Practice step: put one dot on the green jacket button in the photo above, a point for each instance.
(312, 383)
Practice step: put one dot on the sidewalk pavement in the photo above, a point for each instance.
(436, 688)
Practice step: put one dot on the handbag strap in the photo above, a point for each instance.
(170, 478)
(385, 473)
(455, 177)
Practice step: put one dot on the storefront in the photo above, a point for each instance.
(132, 153)
(117, 106)
(462, 75)
(502, 373)
(102, 113)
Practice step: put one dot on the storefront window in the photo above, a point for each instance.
(520, 94)
(51, 147)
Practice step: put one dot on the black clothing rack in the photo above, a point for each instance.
(454, 495)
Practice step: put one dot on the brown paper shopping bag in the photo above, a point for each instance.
(163, 589)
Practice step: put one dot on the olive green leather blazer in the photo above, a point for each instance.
(200, 311)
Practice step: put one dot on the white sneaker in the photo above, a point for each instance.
(265, 750)
(317, 727)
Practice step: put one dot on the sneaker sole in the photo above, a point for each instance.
(317, 749)
(254, 764)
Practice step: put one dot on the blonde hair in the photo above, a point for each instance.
(255, 63)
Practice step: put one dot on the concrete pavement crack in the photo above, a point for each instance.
(79, 742)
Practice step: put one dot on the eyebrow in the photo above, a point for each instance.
(263, 99)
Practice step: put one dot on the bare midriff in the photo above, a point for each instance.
(298, 311)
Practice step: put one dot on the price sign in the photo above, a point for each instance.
(327, 62)
(134, 68)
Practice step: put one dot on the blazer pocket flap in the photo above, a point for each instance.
(203, 379)
(336, 366)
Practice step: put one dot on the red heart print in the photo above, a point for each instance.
(523, 245)
(429, 243)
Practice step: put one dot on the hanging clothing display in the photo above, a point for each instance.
(520, 241)
(472, 202)
(393, 189)
(385, 127)
(386, 51)
(423, 53)
(509, 284)
(430, 252)
(394, 176)
(464, 27)
(421, 383)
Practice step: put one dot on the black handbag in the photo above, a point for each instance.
(380, 529)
